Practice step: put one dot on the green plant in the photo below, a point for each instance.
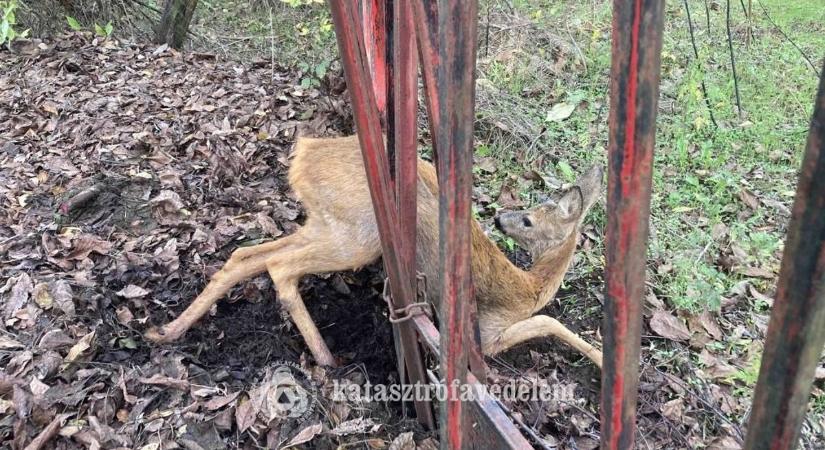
(104, 31)
(73, 23)
(7, 31)
(100, 30)
(313, 74)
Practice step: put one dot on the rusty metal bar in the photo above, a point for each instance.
(455, 85)
(405, 128)
(634, 93)
(425, 13)
(367, 123)
(374, 29)
(796, 332)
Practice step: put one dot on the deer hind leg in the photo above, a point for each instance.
(540, 326)
(319, 256)
(245, 262)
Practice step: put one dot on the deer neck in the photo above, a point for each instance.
(498, 283)
(549, 269)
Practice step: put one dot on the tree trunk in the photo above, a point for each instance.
(174, 22)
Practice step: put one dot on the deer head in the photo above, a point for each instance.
(548, 225)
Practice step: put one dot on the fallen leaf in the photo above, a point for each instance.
(487, 164)
(756, 272)
(42, 296)
(167, 201)
(669, 326)
(64, 297)
(22, 286)
(403, 441)
(354, 426)
(7, 343)
(305, 435)
(509, 197)
(245, 415)
(221, 401)
(706, 322)
(82, 345)
(725, 443)
(124, 315)
(86, 244)
(162, 380)
(132, 291)
(674, 409)
(559, 112)
(749, 199)
(55, 339)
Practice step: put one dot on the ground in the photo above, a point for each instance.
(182, 159)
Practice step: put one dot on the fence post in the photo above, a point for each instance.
(455, 85)
(796, 331)
(634, 95)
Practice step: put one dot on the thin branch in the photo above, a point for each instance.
(699, 64)
(733, 60)
(487, 32)
(745, 12)
(768, 16)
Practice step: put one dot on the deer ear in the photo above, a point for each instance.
(571, 204)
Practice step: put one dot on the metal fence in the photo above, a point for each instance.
(381, 43)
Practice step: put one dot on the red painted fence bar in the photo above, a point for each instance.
(367, 123)
(634, 95)
(374, 23)
(453, 136)
(796, 332)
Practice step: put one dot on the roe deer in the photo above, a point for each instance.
(341, 233)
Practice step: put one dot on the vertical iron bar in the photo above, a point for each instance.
(455, 76)
(405, 114)
(403, 136)
(796, 332)
(634, 93)
(373, 26)
(366, 116)
(426, 31)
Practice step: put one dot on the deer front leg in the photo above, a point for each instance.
(245, 262)
(540, 326)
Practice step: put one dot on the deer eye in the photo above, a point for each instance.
(526, 222)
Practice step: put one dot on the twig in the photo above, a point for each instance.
(732, 60)
(576, 47)
(48, 433)
(699, 63)
(707, 16)
(487, 32)
(750, 25)
(768, 16)
(750, 30)
(81, 198)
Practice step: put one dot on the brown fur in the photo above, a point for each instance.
(340, 233)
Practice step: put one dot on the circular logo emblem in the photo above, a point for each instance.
(291, 392)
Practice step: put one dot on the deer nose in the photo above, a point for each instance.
(497, 222)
